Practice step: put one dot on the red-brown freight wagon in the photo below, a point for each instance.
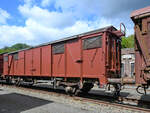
(1, 65)
(141, 19)
(75, 62)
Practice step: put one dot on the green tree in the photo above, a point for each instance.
(15, 47)
(128, 42)
(20, 46)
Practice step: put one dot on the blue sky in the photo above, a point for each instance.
(39, 21)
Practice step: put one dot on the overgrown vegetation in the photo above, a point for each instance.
(15, 47)
(128, 42)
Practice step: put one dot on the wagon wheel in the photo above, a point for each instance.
(32, 83)
(8, 80)
(77, 92)
(117, 89)
(18, 82)
(87, 87)
(85, 90)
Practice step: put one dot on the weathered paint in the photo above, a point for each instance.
(46, 63)
(76, 62)
(73, 54)
(1, 64)
(141, 19)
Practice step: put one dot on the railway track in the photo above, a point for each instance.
(120, 102)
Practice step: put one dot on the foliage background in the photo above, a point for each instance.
(15, 47)
(128, 42)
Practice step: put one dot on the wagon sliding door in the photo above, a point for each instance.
(58, 59)
(46, 61)
(28, 62)
(18, 63)
(5, 66)
(93, 66)
(36, 63)
(73, 58)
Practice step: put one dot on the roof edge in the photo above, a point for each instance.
(68, 38)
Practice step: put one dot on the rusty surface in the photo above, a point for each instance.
(142, 11)
(46, 64)
(5, 65)
(141, 19)
(97, 62)
(1, 64)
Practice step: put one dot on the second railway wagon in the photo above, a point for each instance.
(141, 19)
(76, 62)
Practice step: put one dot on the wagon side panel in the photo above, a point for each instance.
(20, 64)
(36, 57)
(58, 62)
(5, 66)
(93, 57)
(46, 61)
(16, 64)
(1, 64)
(73, 58)
(28, 62)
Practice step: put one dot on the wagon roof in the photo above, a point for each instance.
(141, 12)
(69, 38)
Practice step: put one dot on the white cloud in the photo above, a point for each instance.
(34, 33)
(46, 18)
(42, 25)
(14, 34)
(4, 15)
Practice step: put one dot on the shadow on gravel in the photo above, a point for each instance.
(16, 103)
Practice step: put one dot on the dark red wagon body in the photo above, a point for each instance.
(141, 18)
(1, 64)
(92, 56)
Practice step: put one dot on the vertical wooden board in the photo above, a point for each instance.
(28, 62)
(58, 65)
(1, 64)
(5, 67)
(36, 62)
(93, 55)
(10, 65)
(73, 58)
(20, 66)
(93, 63)
(16, 70)
(139, 63)
(46, 61)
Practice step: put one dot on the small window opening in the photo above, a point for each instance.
(5, 58)
(15, 56)
(58, 48)
(94, 42)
